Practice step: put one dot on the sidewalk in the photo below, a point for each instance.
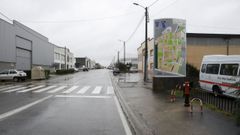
(152, 113)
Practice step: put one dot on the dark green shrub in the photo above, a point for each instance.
(47, 73)
(122, 67)
(29, 73)
(64, 71)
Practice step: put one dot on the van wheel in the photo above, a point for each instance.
(15, 79)
(216, 91)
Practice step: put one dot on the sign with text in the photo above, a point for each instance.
(170, 50)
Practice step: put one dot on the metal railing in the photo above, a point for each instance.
(225, 103)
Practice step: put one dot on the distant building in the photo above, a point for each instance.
(63, 58)
(141, 55)
(23, 48)
(85, 61)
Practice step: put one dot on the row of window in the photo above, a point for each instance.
(225, 69)
(59, 56)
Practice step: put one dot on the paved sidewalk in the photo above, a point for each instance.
(152, 113)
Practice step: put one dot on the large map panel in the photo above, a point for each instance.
(170, 38)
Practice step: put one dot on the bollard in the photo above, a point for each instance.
(187, 93)
(200, 103)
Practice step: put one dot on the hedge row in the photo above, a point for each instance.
(64, 71)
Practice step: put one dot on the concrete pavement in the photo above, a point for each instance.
(152, 113)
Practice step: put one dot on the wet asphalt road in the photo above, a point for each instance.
(83, 103)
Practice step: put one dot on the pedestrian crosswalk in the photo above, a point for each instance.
(60, 89)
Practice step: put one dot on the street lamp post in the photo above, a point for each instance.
(124, 51)
(146, 42)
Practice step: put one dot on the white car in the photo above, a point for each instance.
(13, 74)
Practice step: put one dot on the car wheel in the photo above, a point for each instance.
(15, 79)
(216, 91)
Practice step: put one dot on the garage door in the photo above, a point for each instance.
(23, 59)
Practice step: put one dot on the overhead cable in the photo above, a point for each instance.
(135, 30)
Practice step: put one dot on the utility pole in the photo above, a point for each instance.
(146, 41)
(118, 57)
(124, 55)
(146, 45)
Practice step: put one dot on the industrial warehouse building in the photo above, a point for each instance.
(198, 45)
(23, 48)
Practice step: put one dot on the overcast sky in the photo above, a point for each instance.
(93, 28)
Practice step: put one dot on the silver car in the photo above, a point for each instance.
(13, 74)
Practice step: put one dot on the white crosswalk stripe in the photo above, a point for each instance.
(7, 88)
(97, 90)
(57, 89)
(16, 89)
(30, 89)
(83, 90)
(110, 90)
(44, 89)
(70, 89)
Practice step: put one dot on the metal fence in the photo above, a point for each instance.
(225, 103)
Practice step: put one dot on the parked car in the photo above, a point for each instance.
(13, 74)
(133, 70)
(116, 71)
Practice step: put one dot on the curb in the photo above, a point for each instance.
(138, 127)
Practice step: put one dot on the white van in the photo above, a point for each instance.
(221, 74)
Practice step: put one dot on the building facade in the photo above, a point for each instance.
(86, 62)
(63, 58)
(23, 48)
(198, 45)
(141, 55)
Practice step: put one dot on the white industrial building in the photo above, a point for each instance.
(63, 58)
(23, 48)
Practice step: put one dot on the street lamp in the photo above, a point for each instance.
(124, 51)
(146, 38)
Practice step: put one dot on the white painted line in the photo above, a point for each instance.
(44, 89)
(57, 89)
(80, 96)
(15, 111)
(7, 88)
(4, 86)
(30, 89)
(83, 90)
(70, 89)
(110, 90)
(12, 90)
(123, 119)
(97, 90)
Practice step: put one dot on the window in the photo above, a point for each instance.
(212, 68)
(203, 69)
(229, 69)
(13, 72)
(151, 52)
(4, 72)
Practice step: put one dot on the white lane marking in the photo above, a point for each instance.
(7, 88)
(70, 89)
(83, 90)
(12, 90)
(30, 89)
(44, 89)
(57, 89)
(110, 90)
(123, 118)
(4, 86)
(97, 90)
(15, 111)
(80, 96)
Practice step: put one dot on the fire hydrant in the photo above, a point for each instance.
(187, 93)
